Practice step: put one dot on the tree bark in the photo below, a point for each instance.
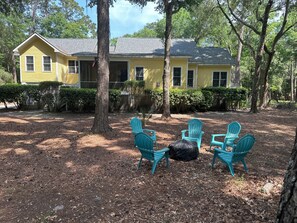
(101, 123)
(292, 81)
(14, 74)
(238, 58)
(287, 211)
(166, 73)
(259, 57)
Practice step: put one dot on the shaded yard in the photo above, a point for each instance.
(50, 161)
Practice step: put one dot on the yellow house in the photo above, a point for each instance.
(73, 62)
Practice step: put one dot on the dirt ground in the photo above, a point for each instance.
(54, 170)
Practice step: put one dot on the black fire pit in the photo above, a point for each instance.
(183, 150)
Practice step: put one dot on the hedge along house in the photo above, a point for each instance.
(73, 62)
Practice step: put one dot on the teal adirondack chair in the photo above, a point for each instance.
(232, 134)
(194, 132)
(145, 144)
(136, 126)
(238, 153)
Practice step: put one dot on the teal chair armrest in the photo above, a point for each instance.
(202, 132)
(184, 133)
(217, 135)
(164, 150)
(221, 151)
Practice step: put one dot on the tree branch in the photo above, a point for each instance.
(241, 21)
(235, 31)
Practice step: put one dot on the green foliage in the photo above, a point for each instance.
(5, 77)
(182, 101)
(66, 20)
(21, 95)
(134, 87)
(83, 99)
(227, 98)
(49, 85)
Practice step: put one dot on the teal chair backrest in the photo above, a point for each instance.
(194, 128)
(233, 130)
(244, 145)
(136, 125)
(145, 145)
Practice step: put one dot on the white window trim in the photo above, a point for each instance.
(46, 71)
(227, 85)
(193, 78)
(77, 67)
(33, 63)
(135, 71)
(181, 74)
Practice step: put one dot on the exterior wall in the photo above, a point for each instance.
(59, 65)
(205, 74)
(64, 76)
(153, 70)
(37, 50)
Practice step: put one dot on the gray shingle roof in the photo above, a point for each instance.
(133, 47)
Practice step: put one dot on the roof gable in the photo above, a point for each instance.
(31, 38)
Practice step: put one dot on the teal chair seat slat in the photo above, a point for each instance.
(229, 138)
(136, 126)
(238, 153)
(145, 144)
(194, 132)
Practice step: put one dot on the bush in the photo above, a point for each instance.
(5, 77)
(227, 98)
(199, 100)
(83, 99)
(134, 87)
(180, 100)
(21, 95)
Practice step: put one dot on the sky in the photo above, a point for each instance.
(125, 18)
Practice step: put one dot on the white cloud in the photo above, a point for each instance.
(126, 18)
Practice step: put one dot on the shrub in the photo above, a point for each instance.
(201, 100)
(21, 95)
(5, 77)
(227, 98)
(134, 87)
(83, 99)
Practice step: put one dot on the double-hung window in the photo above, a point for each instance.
(139, 73)
(177, 76)
(219, 79)
(29, 63)
(190, 79)
(47, 63)
(72, 66)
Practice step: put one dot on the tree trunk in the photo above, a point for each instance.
(14, 74)
(264, 85)
(259, 57)
(101, 123)
(292, 81)
(238, 58)
(287, 211)
(166, 72)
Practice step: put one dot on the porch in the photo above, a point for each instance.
(118, 74)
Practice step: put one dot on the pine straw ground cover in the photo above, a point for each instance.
(54, 170)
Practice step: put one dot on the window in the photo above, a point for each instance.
(176, 76)
(29, 63)
(72, 66)
(139, 73)
(47, 63)
(190, 80)
(219, 79)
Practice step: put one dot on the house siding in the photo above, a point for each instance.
(153, 70)
(38, 50)
(205, 74)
